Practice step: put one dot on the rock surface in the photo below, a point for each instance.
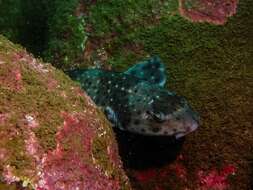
(52, 136)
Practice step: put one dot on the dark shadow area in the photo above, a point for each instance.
(26, 22)
(251, 173)
(141, 152)
(34, 27)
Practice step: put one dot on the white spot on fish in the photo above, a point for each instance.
(123, 89)
(151, 101)
(116, 86)
(130, 91)
(109, 82)
(109, 91)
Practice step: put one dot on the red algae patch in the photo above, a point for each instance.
(4, 117)
(8, 175)
(23, 56)
(146, 175)
(73, 153)
(11, 78)
(177, 176)
(214, 179)
(212, 11)
(31, 121)
(32, 146)
(52, 84)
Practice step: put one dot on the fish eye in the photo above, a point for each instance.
(156, 117)
(149, 113)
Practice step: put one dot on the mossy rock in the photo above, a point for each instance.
(52, 134)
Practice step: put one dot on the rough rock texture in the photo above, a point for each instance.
(212, 11)
(51, 134)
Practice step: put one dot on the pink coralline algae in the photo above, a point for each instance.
(23, 56)
(12, 79)
(18, 79)
(214, 179)
(32, 146)
(52, 84)
(3, 118)
(31, 121)
(3, 154)
(69, 166)
(9, 176)
(18, 76)
(212, 11)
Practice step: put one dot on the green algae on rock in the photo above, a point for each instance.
(51, 132)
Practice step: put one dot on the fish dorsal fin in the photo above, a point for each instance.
(151, 70)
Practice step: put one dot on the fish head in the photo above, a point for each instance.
(163, 113)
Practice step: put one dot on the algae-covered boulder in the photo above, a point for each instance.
(52, 136)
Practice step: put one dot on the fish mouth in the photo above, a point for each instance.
(179, 135)
(194, 125)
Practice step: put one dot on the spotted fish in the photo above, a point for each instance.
(137, 101)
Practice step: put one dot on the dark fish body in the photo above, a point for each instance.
(137, 101)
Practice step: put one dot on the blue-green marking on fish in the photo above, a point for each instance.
(137, 101)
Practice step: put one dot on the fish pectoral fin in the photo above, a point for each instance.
(112, 116)
(151, 70)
